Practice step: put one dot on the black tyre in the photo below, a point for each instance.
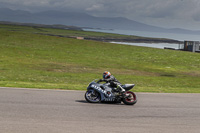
(92, 96)
(130, 98)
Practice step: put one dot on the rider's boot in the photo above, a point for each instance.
(122, 90)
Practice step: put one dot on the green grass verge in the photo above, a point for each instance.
(30, 60)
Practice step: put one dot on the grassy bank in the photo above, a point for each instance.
(39, 61)
(97, 36)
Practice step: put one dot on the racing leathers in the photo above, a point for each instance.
(113, 83)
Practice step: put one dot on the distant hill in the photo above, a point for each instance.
(55, 26)
(82, 20)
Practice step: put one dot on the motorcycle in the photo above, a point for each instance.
(97, 92)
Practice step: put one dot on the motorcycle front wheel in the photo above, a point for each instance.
(92, 97)
(130, 98)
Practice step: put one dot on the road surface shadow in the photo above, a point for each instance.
(81, 101)
(113, 103)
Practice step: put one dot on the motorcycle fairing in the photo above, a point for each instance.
(128, 86)
(103, 92)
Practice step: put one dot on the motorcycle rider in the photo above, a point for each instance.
(108, 78)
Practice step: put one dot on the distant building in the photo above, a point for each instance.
(193, 46)
(77, 37)
(80, 38)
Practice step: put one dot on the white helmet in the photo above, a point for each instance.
(106, 75)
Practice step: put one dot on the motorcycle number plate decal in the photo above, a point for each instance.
(109, 99)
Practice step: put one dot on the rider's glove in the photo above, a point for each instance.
(100, 80)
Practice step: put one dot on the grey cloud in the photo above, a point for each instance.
(37, 5)
(128, 8)
(141, 10)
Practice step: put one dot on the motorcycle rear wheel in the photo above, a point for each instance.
(92, 97)
(130, 98)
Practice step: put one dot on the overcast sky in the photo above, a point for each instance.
(164, 13)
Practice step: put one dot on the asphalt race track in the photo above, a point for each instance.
(57, 111)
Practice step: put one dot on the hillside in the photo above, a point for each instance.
(39, 61)
(65, 31)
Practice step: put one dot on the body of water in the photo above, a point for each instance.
(180, 37)
(154, 45)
